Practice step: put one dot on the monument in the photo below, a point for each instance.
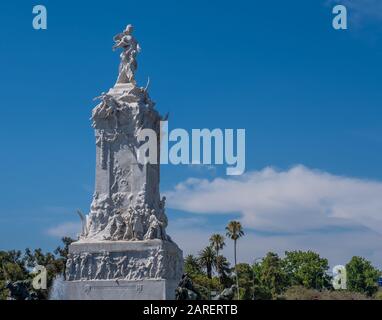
(123, 251)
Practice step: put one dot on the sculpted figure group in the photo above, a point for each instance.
(91, 266)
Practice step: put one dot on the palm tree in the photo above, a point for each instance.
(217, 242)
(223, 268)
(234, 232)
(191, 265)
(207, 259)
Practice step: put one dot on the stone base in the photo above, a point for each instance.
(120, 290)
(114, 270)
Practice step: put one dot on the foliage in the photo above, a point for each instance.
(63, 252)
(362, 276)
(12, 268)
(299, 276)
(16, 266)
(306, 269)
(246, 281)
(192, 266)
(48, 260)
(224, 271)
(207, 260)
(270, 279)
(217, 242)
(234, 231)
(205, 285)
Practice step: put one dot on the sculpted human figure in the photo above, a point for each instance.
(130, 46)
(186, 289)
(155, 229)
(142, 271)
(159, 269)
(85, 266)
(104, 268)
(107, 101)
(119, 226)
(121, 266)
(150, 265)
(128, 222)
(137, 226)
(227, 293)
(69, 270)
(109, 267)
(77, 266)
(132, 270)
(109, 107)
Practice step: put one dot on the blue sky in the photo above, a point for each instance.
(305, 93)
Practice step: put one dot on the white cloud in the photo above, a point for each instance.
(298, 208)
(285, 201)
(66, 229)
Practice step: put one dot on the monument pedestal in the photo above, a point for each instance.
(123, 270)
(120, 290)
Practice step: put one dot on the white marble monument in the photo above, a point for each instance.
(123, 251)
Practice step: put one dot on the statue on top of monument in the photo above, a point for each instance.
(131, 48)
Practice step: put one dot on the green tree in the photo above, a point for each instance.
(191, 265)
(217, 242)
(246, 281)
(207, 260)
(362, 276)
(306, 268)
(234, 231)
(205, 285)
(53, 266)
(12, 268)
(63, 252)
(270, 279)
(16, 266)
(224, 271)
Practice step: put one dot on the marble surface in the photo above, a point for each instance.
(123, 243)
